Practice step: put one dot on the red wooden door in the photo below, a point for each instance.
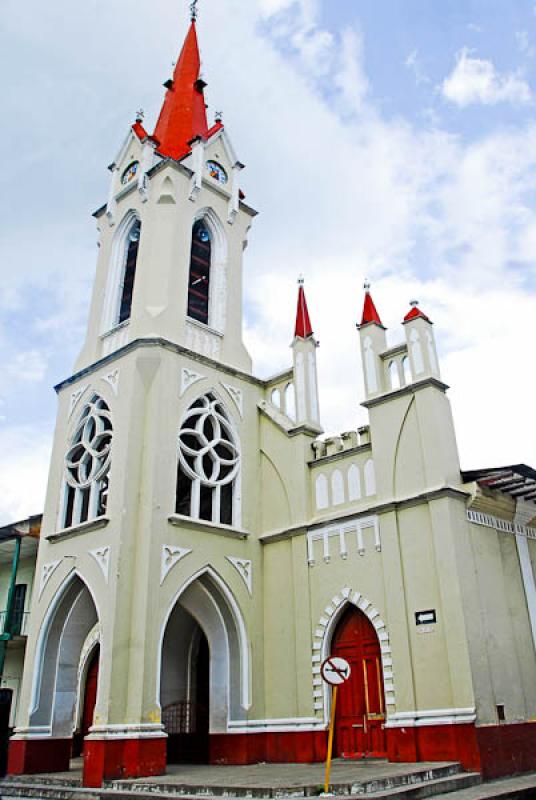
(360, 717)
(90, 696)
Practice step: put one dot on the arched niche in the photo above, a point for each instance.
(206, 607)
(71, 617)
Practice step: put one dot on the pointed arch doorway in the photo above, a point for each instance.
(186, 716)
(204, 667)
(360, 714)
(88, 699)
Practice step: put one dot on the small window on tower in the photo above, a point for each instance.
(199, 279)
(129, 272)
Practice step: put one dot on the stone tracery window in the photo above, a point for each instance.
(87, 465)
(208, 463)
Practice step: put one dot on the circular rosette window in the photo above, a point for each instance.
(88, 458)
(207, 449)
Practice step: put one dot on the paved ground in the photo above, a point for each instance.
(274, 775)
(261, 775)
(506, 787)
(299, 775)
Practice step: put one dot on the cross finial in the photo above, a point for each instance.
(218, 116)
(366, 285)
(301, 280)
(140, 114)
(193, 9)
(414, 303)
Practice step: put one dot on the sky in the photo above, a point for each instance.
(393, 140)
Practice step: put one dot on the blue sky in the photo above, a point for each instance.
(389, 139)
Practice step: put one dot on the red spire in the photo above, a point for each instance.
(303, 323)
(369, 309)
(183, 115)
(415, 312)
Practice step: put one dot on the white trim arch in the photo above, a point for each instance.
(114, 283)
(70, 617)
(206, 597)
(217, 299)
(323, 636)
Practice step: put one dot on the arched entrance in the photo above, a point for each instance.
(89, 701)
(360, 713)
(186, 716)
(204, 679)
(55, 690)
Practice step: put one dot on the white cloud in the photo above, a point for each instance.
(26, 454)
(524, 45)
(475, 80)
(413, 63)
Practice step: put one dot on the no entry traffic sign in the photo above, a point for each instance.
(335, 670)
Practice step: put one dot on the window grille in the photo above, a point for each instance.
(87, 465)
(208, 463)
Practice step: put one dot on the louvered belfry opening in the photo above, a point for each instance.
(133, 243)
(199, 280)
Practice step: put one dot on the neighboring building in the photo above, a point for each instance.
(18, 554)
(203, 551)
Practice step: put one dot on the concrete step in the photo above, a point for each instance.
(432, 788)
(47, 791)
(418, 783)
(339, 788)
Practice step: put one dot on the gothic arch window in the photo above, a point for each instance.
(337, 488)
(354, 483)
(122, 272)
(199, 276)
(208, 463)
(393, 375)
(406, 370)
(87, 465)
(130, 259)
(370, 478)
(321, 492)
(290, 401)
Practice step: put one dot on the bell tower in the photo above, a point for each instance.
(144, 491)
(173, 231)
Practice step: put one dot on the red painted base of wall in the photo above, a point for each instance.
(493, 750)
(435, 743)
(506, 749)
(111, 759)
(30, 756)
(297, 747)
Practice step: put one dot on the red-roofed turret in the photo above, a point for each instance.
(304, 358)
(370, 313)
(183, 116)
(415, 312)
(303, 327)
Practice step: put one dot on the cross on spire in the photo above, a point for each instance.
(193, 9)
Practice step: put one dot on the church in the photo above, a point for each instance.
(204, 549)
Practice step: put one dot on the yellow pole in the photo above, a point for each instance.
(330, 738)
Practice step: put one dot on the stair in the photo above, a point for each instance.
(419, 783)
